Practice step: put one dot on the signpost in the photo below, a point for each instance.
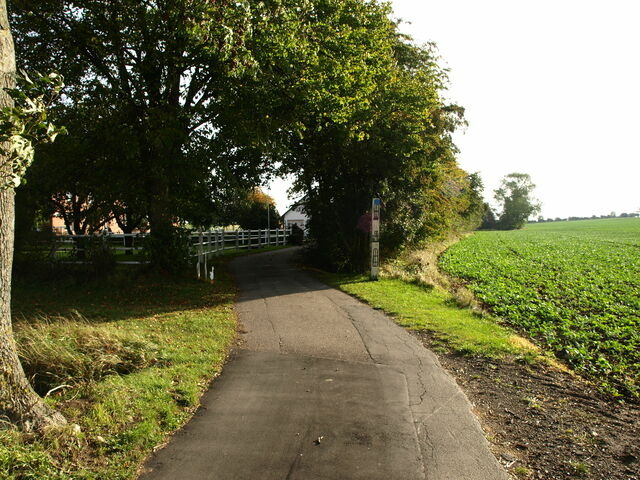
(375, 238)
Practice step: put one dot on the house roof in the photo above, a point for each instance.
(295, 207)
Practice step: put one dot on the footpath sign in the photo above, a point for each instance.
(375, 238)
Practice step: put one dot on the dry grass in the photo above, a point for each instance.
(57, 350)
(421, 267)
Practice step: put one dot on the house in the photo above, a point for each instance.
(59, 227)
(295, 216)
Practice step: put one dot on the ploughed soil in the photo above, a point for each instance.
(544, 423)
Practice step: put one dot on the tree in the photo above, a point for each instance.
(474, 215)
(18, 402)
(217, 94)
(88, 177)
(172, 74)
(258, 211)
(381, 130)
(516, 201)
(489, 221)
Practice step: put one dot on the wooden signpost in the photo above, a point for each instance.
(375, 238)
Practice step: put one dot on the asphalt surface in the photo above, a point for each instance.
(324, 387)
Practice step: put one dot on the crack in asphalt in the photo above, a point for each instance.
(273, 327)
(353, 322)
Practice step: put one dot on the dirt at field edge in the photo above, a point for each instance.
(545, 424)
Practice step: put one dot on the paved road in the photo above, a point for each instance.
(324, 387)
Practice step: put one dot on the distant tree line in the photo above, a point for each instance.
(592, 217)
(517, 206)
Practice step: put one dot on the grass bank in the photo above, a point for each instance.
(418, 306)
(125, 358)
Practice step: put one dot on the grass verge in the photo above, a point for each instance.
(417, 306)
(128, 357)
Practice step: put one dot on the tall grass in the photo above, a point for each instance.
(65, 350)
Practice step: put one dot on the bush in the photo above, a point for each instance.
(297, 235)
(168, 252)
(100, 256)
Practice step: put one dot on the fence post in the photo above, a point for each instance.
(215, 242)
(199, 252)
(237, 234)
(205, 248)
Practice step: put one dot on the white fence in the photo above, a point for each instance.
(217, 241)
(127, 247)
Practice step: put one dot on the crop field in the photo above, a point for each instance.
(572, 286)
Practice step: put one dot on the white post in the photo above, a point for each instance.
(375, 238)
(205, 249)
(199, 252)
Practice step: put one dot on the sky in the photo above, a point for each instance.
(550, 88)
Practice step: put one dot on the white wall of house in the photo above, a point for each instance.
(295, 216)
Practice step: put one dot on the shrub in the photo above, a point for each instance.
(297, 235)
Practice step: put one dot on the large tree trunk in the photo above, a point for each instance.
(167, 252)
(19, 404)
(162, 242)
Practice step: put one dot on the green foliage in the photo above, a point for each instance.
(378, 129)
(23, 462)
(572, 285)
(258, 211)
(325, 90)
(516, 202)
(90, 175)
(159, 123)
(169, 251)
(489, 221)
(474, 215)
(25, 123)
(297, 235)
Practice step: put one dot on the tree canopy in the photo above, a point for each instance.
(256, 211)
(185, 105)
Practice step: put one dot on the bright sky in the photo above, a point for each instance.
(550, 88)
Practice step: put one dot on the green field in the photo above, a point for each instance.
(573, 286)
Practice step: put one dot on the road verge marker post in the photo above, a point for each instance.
(375, 237)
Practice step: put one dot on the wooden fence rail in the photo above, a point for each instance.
(128, 247)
